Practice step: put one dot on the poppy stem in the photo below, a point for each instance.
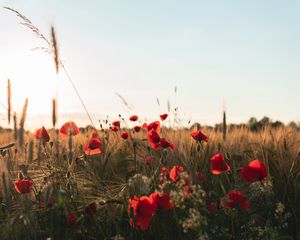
(134, 155)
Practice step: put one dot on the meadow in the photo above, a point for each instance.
(117, 183)
(127, 179)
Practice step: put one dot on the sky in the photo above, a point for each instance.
(242, 56)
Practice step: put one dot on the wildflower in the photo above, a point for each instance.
(255, 171)
(163, 116)
(23, 186)
(154, 125)
(137, 128)
(165, 144)
(142, 210)
(200, 177)
(95, 134)
(114, 129)
(72, 220)
(93, 146)
(149, 160)
(218, 164)
(211, 207)
(69, 127)
(124, 135)
(42, 135)
(91, 209)
(175, 173)
(235, 199)
(154, 139)
(199, 136)
(162, 201)
(116, 123)
(133, 118)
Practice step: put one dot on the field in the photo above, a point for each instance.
(101, 191)
(127, 179)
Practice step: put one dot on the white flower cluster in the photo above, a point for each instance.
(192, 222)
(139, 185)
(118, 237)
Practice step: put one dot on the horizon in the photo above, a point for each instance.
(238, 57)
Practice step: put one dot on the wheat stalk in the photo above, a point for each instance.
(22, 123)
(54, 49)
(54, 112)
(8, 101)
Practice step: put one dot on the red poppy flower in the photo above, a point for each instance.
(72, 220)
(124, 135)
(23, 186)
(164, 170)
(143, 211)
(199, 136)
(154, 125)
(163, 116)
(211, 207)
(133, 118)
(200, 177)
(162, 201)
(175, 173)
(114, 129)
(164, 175)
(93, 146)
(218, 164)
(69, 127)
(165, 144)
(235, 199)
(149, 160)
(255, 171)
(91, 209)
(42, 135)
(153, 138)
(137, 128)
(116, 123)
(95, 134)
(187, 190)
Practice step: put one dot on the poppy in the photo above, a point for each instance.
(162, 201)
(69, 127)
(116, 123)
(235, 199)
(199, 136)
(200, 177)
(95, 134)
(255, 171)
(154, 139)
(124, 135)
(114, 129)
(175, 173)
(165, 144)
(142, 210)
(91, 209)
(133, 118)
(164, 175)
(23, 186)
(154, 125)
(149, 160)
(93, 146)
(72, 220)
(42, 135)
(211, 207)
(163, 116)
(137, 128)
(218, 164)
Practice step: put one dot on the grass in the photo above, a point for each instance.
(67, 181)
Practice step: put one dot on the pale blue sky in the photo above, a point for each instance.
(246, 52)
